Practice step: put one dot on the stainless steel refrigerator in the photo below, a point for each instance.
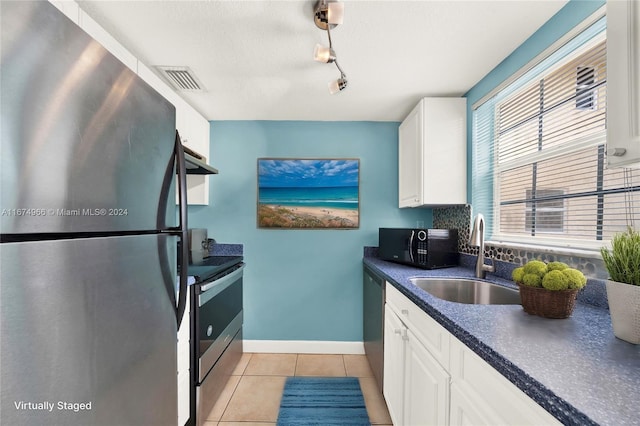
(89, 230)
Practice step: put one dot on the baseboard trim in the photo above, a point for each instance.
(303, 347)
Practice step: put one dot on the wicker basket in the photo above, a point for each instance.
(547, 303)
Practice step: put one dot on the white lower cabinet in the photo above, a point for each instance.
(481, 395)
(416, 386)
(426, 386)
(394, 350)
(431, 378)
(465, 410)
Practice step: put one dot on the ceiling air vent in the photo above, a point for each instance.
(181, 78)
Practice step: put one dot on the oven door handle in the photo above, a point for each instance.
(215, 287)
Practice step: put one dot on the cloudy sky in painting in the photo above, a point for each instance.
(307, 173)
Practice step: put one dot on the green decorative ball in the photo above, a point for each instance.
(555, 280)
(532, 280)
(535, 267)
(517, 274)
(575, 277)
(557, 266)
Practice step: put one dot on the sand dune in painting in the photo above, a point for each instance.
(277, 216)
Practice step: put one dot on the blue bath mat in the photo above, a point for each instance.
(322, 401)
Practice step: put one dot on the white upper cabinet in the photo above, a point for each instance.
(623, 83)
(432, 154)
(410, 159)
(194, 132)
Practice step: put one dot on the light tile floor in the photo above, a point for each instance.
(252, 395)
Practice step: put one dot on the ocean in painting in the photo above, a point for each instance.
(344, 197)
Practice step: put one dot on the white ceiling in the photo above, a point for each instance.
(255, 57)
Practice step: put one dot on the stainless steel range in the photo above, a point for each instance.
(216, 329)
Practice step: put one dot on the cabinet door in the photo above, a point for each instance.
(198, 140)
(394, 354)
(488, 394)
(426, 387)
(623, 83)
(410, 159)
(464, 411)
(432, 154)
(432, 335)
(444, 158)
(194, 132)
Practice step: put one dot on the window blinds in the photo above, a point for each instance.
(538, 170)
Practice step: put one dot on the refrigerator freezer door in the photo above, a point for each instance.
(89, 325)
(87, 146)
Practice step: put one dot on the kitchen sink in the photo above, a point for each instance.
(464, 290)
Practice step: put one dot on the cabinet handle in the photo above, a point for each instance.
(397, 331)
(405, 312)
(405, 335)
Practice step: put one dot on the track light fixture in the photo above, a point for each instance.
(328, 14)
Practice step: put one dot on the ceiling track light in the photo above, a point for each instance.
(328, 15)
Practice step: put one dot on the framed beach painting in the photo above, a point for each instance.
(308, 193)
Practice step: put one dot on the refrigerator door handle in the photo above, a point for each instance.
(184, 235)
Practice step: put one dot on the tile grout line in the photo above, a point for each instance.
(344, 365)
(226, 406)
(235, 388)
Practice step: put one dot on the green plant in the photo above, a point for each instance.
(557, 266)
(532, 280)
(535, 267)
(555, 280)
(623, 260)
(575, 277)
(552, 276)
(518, 274)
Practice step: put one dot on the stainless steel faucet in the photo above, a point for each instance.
(477, 240)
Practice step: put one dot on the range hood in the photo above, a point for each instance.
(197, 164)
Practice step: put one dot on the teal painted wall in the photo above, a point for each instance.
(302, 284)
(561, 23)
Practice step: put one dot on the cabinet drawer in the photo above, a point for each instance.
(432, 335)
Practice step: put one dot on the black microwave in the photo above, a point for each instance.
(424, 248)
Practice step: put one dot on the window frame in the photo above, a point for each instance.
(544, 238)
(593, 140)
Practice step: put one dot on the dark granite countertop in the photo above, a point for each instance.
(220, 249)
(575, 368)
